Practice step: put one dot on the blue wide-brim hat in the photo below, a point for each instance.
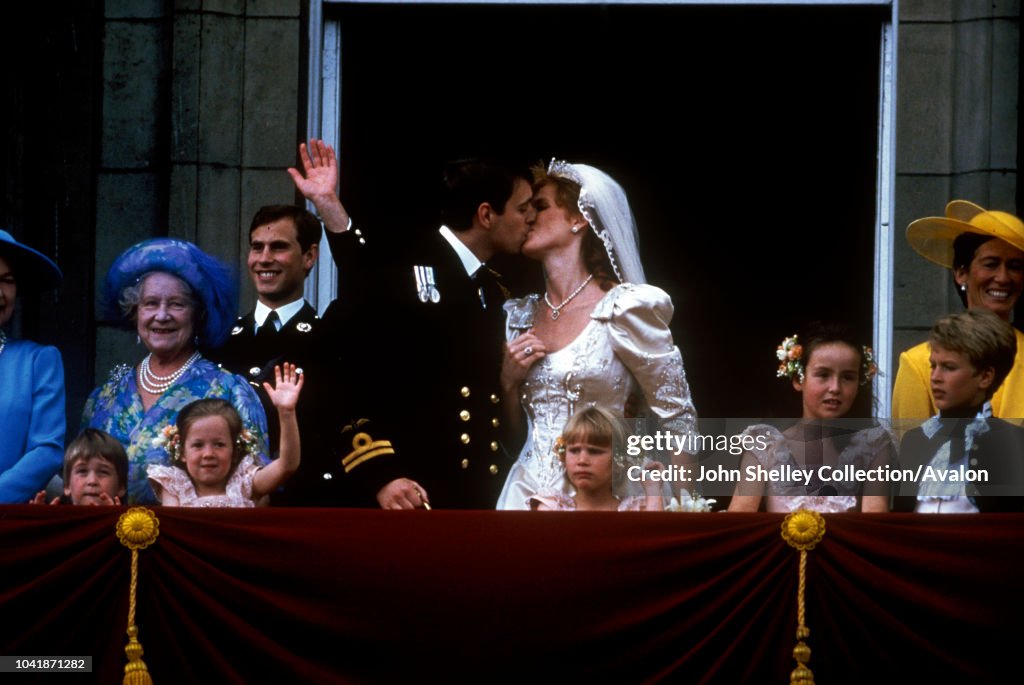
(212, 282)
(31, 267)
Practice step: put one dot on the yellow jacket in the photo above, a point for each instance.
(912, 395)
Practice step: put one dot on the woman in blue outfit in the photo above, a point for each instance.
(179, 299)
(31, 383)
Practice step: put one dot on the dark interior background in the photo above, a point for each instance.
(744, 137)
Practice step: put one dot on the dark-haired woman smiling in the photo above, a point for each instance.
(985, 251)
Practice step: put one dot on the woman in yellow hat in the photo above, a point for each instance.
(985, 251)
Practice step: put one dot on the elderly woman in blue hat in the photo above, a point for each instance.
(32, 421)
(179, 300)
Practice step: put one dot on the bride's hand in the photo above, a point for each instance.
(520, 355)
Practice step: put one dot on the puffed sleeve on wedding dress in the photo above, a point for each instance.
(638, 317)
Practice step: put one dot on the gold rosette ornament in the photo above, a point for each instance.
(137, 529)
(802, 530)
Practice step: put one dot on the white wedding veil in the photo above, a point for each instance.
(604, 205)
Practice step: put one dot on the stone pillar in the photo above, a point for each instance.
(957, 124)
(234, 120)
(131, 183)
(200, 119)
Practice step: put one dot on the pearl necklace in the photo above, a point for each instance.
(154, 384)
(3, 341)
(556, 310)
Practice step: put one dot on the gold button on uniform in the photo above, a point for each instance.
(493, 469)
(464, 415)
(495, 422)
(465, 463)
(494, 399)
(464, 438)
(464, 392)
(494, 447)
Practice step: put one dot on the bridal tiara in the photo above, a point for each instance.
(563, 169)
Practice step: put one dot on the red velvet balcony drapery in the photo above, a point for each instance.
(326, 596)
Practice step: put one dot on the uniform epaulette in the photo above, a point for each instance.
(364, 448)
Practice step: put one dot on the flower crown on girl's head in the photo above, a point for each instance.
(789, 354)
(170, 439)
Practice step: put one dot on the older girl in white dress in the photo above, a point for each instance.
(828, 368)
(597, 335)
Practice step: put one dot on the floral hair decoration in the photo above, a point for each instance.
(170, 439)
(790, 355)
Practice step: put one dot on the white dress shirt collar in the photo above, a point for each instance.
(284, 313)
(469, 260)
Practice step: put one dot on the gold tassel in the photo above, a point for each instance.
(802, 530)
(136, 529)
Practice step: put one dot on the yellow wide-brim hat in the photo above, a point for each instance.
(933, 236)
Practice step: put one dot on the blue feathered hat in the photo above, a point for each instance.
(211, 281)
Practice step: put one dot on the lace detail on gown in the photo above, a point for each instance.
(625, 346)
(176, 481)
(786, 496)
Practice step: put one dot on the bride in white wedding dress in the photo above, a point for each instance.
(596, 336)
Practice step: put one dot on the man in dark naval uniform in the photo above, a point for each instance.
(283, 327)
(434, 357)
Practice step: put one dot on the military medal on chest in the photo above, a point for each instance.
(426, 284)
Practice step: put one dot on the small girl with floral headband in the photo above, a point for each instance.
(809, 464)
(592, 450)
(214, 459)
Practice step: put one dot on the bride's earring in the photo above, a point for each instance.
(575, 229)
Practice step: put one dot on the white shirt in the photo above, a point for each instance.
(951, 499)
(284, 313)
(469, 260)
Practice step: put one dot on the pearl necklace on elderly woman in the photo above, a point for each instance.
(556, 310)
(3, 341)
(154, 384)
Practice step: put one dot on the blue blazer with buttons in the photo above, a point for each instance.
(32, 419)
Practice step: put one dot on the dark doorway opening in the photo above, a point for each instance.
(746, 139)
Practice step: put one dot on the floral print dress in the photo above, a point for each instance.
(116, 407)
